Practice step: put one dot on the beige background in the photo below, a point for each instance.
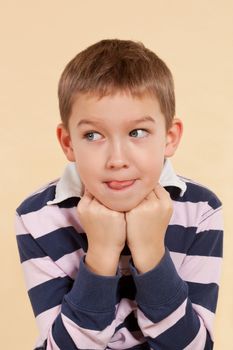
(37, 39)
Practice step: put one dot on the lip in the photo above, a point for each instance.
(120, 185)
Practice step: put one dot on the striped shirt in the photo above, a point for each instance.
(170, 307)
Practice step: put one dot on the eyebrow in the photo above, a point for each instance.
(145, 118)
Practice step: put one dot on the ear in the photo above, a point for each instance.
(173, 137)
(64, 139)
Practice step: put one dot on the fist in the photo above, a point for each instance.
(106, 233)
(146, 228)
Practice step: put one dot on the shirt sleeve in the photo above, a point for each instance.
(70, 314)
(176, 309)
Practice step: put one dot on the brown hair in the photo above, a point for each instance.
(113, 65)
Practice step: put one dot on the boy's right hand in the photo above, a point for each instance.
(106, 234)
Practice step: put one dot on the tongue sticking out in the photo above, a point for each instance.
(117, 185)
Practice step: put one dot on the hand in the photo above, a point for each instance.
(106, 234)
(146, 228)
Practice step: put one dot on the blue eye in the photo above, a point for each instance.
(89, 136)
(137, 134)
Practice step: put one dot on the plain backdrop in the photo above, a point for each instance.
(37, 39)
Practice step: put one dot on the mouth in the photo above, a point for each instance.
(120, 185)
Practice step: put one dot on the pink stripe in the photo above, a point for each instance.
(123, 339)
(207, 317)
(177, 259)
(123, 309)
(200, 339)
(19, 226)
(51, 344)
(86, 338)
(212, 221)
(187, 214)
(191, 214)
(40, 270)
(69, 263)
(44, 323)
(51, 218)
(201, 269)
(153, 330)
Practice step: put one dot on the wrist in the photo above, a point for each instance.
(102, 263)
(146, 259)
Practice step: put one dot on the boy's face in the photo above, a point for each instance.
(118, 138)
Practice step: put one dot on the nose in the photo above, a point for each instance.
(117, 156)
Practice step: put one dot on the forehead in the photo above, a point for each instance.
(118, 105)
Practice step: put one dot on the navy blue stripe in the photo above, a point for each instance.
(69, 203)
(28, 248)
(205, 295)
(179, 238)
(61, 336)
(208, 344)
(87, 319)
(130, 322)
(184, 240)
(39, 200)
(49, 294)
(43, 347)
(126, 288)
(214, 202)
(208, 243)
(63, 241)
(173, 191)
(195, 193)
(36, 201)
(181, 334)
(144, 346)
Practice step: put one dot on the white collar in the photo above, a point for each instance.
(70, 184)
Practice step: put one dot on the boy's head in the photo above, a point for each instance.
(116, 65)
(103, 92)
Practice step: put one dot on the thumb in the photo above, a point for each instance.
(87, 196)
(87, 193)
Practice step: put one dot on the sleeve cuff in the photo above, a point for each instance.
(93, 292)
(161, 285)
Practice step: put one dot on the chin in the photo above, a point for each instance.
(121, 207)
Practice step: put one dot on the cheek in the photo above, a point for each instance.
(85, 159)
(87, 167)
(152, 163)
(154, 172)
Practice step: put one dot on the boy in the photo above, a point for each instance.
(120, 252)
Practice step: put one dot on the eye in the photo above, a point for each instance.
(138, 133)
(90, 136)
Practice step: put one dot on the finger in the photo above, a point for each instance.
(89, 198)
(151, 195)
(160, 192)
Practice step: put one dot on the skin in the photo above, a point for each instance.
(116, 147)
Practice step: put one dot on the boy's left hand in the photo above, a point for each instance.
(146, 228)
